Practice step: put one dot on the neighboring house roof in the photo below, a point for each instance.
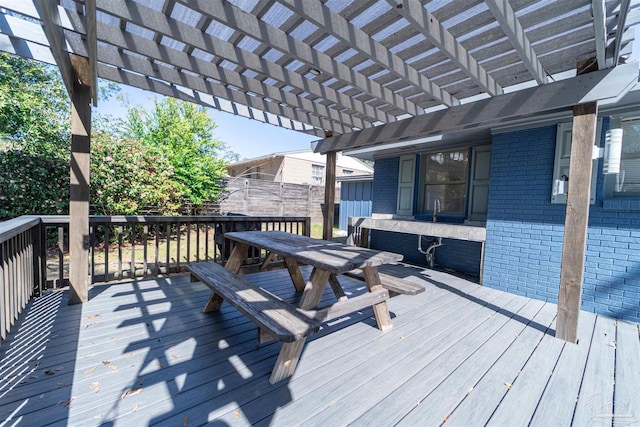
(345, 162)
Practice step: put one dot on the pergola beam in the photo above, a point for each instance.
(275, 38)
(337, 26)
(608, 85)
(429, 26)
(622, 22)
(510, 24)
(160, 23)
(600, 28)
(48, 12)
(92, 47)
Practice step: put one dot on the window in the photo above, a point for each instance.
(560, 185)
(317, 174)
(347, 172)
(444, 178)
(627, 182)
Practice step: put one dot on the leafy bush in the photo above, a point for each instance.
(126, 176)
(32, 184)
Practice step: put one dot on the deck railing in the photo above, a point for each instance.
(33, 249)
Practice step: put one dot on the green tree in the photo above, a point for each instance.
(34, 139)
(34, 108)
(183, 134)
(126, 177)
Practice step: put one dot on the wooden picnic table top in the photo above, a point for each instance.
(335, 257)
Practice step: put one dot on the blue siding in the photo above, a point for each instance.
(453, 254)
(525, 231)
(355, 200)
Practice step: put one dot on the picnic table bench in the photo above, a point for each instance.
(275, 318)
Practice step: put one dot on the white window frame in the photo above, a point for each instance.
(315, 177)
(560, 181)
(611, 180)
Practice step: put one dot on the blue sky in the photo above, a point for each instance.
(249, 138)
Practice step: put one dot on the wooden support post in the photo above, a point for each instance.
(79, 180)
(329, 196)
(585, 118)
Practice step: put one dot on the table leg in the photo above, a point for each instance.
(337, 288)
(294, 271)
(287, 360)
(381, 311)
(233, 264)
(314, 288)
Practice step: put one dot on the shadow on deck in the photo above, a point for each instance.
(142, 353)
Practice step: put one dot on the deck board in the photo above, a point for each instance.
(142, 353)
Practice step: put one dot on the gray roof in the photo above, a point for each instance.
(317, 66)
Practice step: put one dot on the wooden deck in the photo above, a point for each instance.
(142, 353)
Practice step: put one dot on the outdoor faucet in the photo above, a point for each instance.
(436, 208)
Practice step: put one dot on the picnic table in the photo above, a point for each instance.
(277, 319)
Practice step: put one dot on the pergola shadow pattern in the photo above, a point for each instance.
(142, 353)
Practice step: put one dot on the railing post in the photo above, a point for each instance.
(36, 262)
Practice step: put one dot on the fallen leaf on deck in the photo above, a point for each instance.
(105, 362)
(97, 417)
(135, 408)
(236, 414)
(131, 392)
(95, 384)
(49, 372)
(469, 391)
(184, 421)
(93, 316)
(67, 403)
(13, 378)
(509, 385)
(88, 371)
(114, 367)
(129, 354)
(444, 420)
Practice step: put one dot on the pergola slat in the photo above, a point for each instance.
(357, 39)
(511, 26)
(433, 30)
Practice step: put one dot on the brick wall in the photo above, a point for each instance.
(525, 231)
(453, 254)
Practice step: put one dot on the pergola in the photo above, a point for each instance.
(362, 74)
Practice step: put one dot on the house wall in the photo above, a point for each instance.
(525, 231)
(453, 254)
(355, 200)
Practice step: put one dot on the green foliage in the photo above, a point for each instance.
(183, 134)
(34, 135)
(32, 184)
(125, 177)
(34, 108)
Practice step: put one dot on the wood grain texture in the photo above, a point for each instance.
(585, 117)
(381, 310)
(281, 319)
(334, 257)
(389, 280)
(329, 195)
(79, 187)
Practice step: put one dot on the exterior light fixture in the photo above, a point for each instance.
(612, 151)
